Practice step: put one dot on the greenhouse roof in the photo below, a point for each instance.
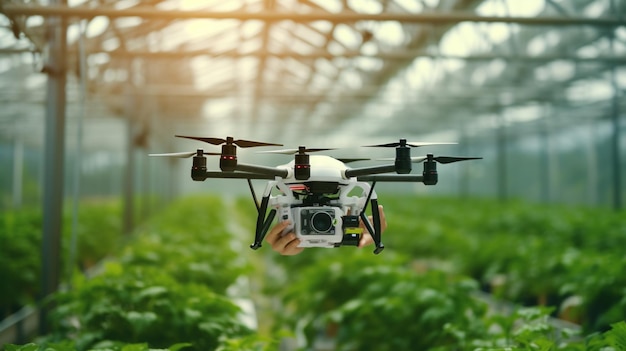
(315, 71)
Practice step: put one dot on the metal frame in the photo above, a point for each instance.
(272, 16)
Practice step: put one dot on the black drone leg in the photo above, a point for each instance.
(377, 227)
(256, 202)
(262, 223)
(374, 231)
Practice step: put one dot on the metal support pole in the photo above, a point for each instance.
(437, 18)
(501, 143)
(129, 172)
(546, 152)
(53, 163)
(18, 170)
(615, 141)
(593, 165)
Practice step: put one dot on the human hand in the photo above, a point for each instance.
(284, 244)
(366, 238)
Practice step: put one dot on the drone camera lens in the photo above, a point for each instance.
(322, 222)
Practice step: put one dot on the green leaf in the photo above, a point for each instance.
(179, 346)
(141, 318)
(192, 314)
(135, 347)
(65, 345)
(152, 291)
(543, 345)
(26, 347)
(617, 335)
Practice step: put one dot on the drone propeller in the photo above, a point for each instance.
(350, 160)
(300, 150)
(229, 141)
(440, 159)
(404, 143)
(444, 159)
(185, 154)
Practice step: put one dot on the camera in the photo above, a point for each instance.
(325, 226)
(318, 220)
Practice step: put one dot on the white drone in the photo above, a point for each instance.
(323, 198)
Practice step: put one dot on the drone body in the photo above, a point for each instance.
(324, 200)
(323, 168)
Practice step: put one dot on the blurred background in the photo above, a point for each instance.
(535, 87)
(90, 88)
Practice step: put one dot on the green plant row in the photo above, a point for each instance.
(568, 258)
(135, 304)
(98, 232)
(165, 287)
(190, 241)
(358, 301)
(420, 293)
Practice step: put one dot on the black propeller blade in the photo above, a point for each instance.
(229, 141)
(440, 159)
(300, 150)
(444, 159)
(403, 142)
(185, 154)
(349, 160)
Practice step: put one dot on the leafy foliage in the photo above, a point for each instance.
(99, 227)
(529, 254)
(99, 230)
(190, 242)
(386, 304)
(19, 259)
(166, 288)
(68, 346)
(144, 304)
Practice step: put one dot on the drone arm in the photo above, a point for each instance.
(356, 172)
(236, 175)
(429, 175)
(391, 178)
(268, 171)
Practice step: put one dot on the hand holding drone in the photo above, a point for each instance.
(288, 244)
(323, 200)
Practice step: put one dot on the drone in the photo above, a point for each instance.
(324, 200)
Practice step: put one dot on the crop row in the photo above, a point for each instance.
(167, 287)
(98, 234)
(424, 290)
(571, 259)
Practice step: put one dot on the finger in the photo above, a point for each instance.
(362, 225)
(292, 248)
(383, 219)
(366, 239)
(275, 232)
(280, 244)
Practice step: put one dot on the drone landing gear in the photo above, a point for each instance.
(374, 231)
(262, 223)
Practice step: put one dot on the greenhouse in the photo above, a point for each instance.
(166, 163)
